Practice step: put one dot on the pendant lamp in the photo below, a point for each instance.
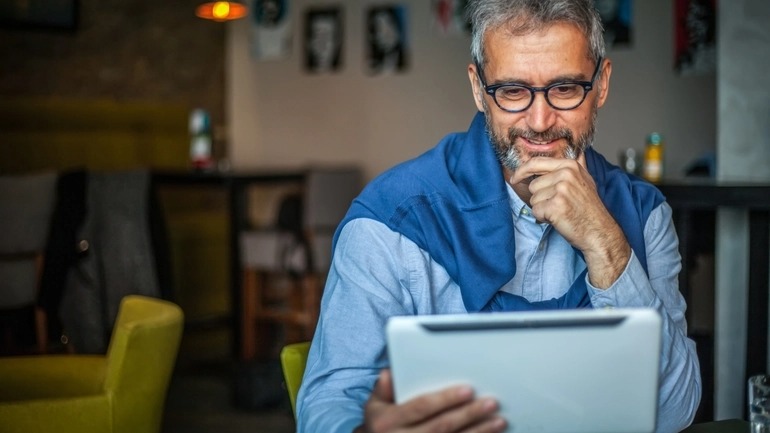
(221, 10)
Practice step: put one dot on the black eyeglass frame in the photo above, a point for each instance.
(491, 90)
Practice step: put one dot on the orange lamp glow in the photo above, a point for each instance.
(221, 10)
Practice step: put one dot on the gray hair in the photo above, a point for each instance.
(526, 16)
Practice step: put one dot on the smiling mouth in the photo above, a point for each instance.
(540, 143)
(531, 143)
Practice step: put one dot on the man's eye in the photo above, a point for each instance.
(512, 93)
(565, 91)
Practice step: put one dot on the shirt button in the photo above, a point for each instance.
(524, 211)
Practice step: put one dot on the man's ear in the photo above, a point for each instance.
(604, 82)
(478, 92)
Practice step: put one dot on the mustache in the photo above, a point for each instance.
(548, 135)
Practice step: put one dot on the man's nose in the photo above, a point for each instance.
(540, 115)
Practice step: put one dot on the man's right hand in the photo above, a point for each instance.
(451, 410)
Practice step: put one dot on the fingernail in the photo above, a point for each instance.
(499, 423)
(465, 392)
(489, 404)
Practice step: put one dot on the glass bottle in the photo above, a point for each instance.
(653, 158)
(200, 139)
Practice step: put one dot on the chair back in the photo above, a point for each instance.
(328, 195)
(141, 357)
(26, 208)
(304, 221)
(293, 360)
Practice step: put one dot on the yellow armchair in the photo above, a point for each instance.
(122, 391)
(293, 360)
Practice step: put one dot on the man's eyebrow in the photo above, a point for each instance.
(557, 79)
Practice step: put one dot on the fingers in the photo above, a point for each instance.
(525, 172)
(451, 410)
(430, 405)
(383, 389)
(494, 424)
(539, 166)
(562, 190)
(581, 159)
(477, 416)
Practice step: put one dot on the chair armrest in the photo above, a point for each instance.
(61, 415)
(293, 360)
(53, 376)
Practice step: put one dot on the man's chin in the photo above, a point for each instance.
(544, 154)
(568, 153)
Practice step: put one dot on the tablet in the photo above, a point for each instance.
(565, 371)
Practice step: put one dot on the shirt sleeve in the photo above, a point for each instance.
(368, 282)
(680, 380)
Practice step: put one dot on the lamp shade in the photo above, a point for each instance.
(221, 10)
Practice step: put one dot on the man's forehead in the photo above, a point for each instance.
(527, 27)
(562, 39)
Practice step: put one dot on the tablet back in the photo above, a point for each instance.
(566, 371)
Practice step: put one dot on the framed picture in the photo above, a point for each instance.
(448, 17)
(616, 20)
(387, 41)
(695, 47)
(42, 14)
(323, 40)
(271, 26)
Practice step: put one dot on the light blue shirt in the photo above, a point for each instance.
(377, 273)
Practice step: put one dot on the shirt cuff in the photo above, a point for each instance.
(631, 289)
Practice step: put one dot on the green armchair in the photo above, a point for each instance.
(293, 360)
(122, 391)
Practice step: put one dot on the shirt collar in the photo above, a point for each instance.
(518, 207)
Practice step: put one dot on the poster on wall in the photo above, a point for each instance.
(387, 42)
(695, 49)
(270, 29)
(323, 38)
(448, 17)
(616, 20)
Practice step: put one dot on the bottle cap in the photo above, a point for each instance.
(654, 138)
(200, 122)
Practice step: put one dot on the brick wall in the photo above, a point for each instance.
(122, 50)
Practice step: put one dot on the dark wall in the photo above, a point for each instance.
(123, 50)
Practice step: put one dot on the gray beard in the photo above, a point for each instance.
(510, 157)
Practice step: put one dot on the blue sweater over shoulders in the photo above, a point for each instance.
(452, 201)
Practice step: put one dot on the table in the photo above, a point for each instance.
(689, 196)
(235, 185)
(725, 426)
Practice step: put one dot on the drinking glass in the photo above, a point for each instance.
(759, 403)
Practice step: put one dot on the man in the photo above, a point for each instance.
(518, 213)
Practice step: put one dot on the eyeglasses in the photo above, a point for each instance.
(514, 97)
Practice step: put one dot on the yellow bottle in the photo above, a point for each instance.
(653, 158)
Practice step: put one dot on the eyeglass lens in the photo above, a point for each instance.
(562, 96)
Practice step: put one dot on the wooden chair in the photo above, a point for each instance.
(284, 269)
